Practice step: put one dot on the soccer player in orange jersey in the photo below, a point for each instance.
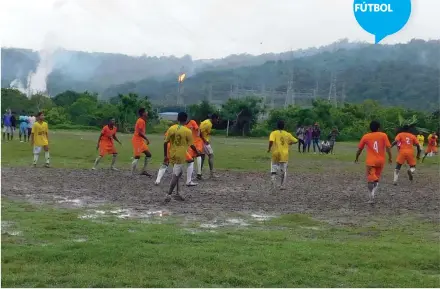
(198, 143)
(406, 141)
(106, 145)
(140, 142)
(376, 143)
(432, 145)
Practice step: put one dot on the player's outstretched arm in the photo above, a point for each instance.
(270, 146)
(390, 158)
(116, 139)
(358, 153)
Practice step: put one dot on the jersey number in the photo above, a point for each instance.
(408, 141)
(376, 147)
(282, 141)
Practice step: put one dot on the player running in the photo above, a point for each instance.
(180, 139)
(105, 144)
(377, 143)
(406, 152)
(140, 143)
(40, 139)
(198, 143)
(421, 139)
(432, 146)
(279, 142)
(189, 171)
(205, 135)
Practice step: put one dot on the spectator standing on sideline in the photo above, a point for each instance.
(333, 134)
(7, 125)
(307, 138)
(300, 132)
(316, 135)
(13, 124)
(31, 121)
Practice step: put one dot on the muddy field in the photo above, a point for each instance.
(340, 197)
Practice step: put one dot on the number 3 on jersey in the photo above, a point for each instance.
(376, 147)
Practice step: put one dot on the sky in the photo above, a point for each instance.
(201, 28)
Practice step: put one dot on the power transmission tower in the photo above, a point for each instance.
(332, 90)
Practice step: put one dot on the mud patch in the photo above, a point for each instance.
(336, 196)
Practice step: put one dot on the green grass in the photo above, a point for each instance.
(57, 249)
(77, 149)
(291, 251)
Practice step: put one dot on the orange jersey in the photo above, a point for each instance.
(376, 143)
(141, 125)
(432, 141)
(107, 135)
(406, 141)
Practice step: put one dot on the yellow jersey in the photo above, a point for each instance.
(40, 131)
(421, 139)
(281, 141)
(205, 129)
(180, 138)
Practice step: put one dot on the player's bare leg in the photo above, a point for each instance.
(146, 161)
(423, 159)
(211, 165)
(189, 172)
(112, 166)
(178, 196)
(173, 183)
(95, 165)
(273, 174)
(371, 187)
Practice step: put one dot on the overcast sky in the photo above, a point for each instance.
(201, 28)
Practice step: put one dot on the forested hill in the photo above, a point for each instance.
(404, 75)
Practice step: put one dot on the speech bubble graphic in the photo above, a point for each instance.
(382, 17)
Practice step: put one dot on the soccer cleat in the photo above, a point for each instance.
(114, 169)
(145, 173)
(214, 176)
(178, 197)
(191, 184)
(156, 183)
(47, 166)
(199, 177)
(282, 188)
(34, 165)
(93, 169)
(167, 199)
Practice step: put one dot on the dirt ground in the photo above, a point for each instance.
(340, 197)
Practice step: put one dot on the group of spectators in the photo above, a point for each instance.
(311, 135)
(9, 122)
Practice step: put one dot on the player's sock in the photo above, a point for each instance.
(370, 189)
(134, 165)
(161, 173)
(36, 158)
(96, 162)
(189, 172)
(146, 160)
(373, 192)
(199, 165)
(396, 176)
(113, 161)
(47, 157)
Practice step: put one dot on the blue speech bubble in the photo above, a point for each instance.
(382, 17)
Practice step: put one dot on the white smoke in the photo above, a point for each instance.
(37, 81)
(17, 84)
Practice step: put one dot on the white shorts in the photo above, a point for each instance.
(208, 149)
(177, 169)
(7, 129)
(37, 150)
(274, 167)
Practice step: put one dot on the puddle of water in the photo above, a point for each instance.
(261, 217)
(238, 222)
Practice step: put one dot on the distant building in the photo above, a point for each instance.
(168, 116)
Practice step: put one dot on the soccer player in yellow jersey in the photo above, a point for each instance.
(180, 138)
(421, 139)
(205, 135)
(40, 139)
(279, 142)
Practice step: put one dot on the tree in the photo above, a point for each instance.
(39, 102)
(199, 112)
(245, 113)
(15, 100)
(57, 115)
